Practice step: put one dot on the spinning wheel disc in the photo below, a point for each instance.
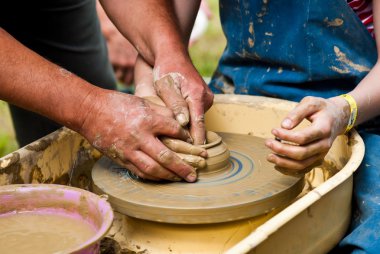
(248, 187)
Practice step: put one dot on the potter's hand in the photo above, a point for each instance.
(126, 128)
(191, 154)
(183, 91)
(300, 150)
(189, 98)
(161, 40)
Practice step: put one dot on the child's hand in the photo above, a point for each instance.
(298, 151)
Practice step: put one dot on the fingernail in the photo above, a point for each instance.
(270, 158)
(191, 177)
(182, 119)
(204, 154)
(268, 143)
(287, 123)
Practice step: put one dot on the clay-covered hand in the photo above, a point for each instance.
(183, 91)
(191, 154)
(127, 129)
(298, 151)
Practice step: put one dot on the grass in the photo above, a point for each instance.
(205, 54)
(7, 138)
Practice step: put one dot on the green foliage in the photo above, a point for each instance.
(7, 139)
(206, 52)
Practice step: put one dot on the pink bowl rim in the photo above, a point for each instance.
(102, 202)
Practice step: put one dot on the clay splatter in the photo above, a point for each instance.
(335, 22)
(264, 10)
(251, 43)
(248, 55)
(251, 39)
(347, 63)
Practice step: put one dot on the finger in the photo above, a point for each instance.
(197, 122)
(167, 89)
(301, 137)
(295, 166)
(168, 127)
(168, 159)
(308, 106)
(133, 169)
(151, 168)
(180, 146)
(296, 152)
(193, 160)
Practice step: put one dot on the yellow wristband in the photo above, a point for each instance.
(353, 111)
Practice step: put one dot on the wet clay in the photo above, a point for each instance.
(240, 184)
(39, 233)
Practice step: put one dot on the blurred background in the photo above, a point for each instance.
(206, 46)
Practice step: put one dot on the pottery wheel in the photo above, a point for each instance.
(249, 186)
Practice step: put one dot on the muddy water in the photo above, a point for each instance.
(35, 233)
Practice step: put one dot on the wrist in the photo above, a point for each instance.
(86, 108)
(343, 113)
(353, 111)
(171, 52)
(177, 62)
(173, 60)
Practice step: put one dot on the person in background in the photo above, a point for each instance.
(121, 52)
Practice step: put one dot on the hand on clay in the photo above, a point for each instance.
(298, 151)
(126, 128)
(182, 90)
(191, 154)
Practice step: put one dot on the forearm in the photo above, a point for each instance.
(186, 12)
(367, 93)
(31, 82)
(150, 25)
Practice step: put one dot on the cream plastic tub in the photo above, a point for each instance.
(312, 224)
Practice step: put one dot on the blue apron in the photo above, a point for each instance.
(295, 48)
